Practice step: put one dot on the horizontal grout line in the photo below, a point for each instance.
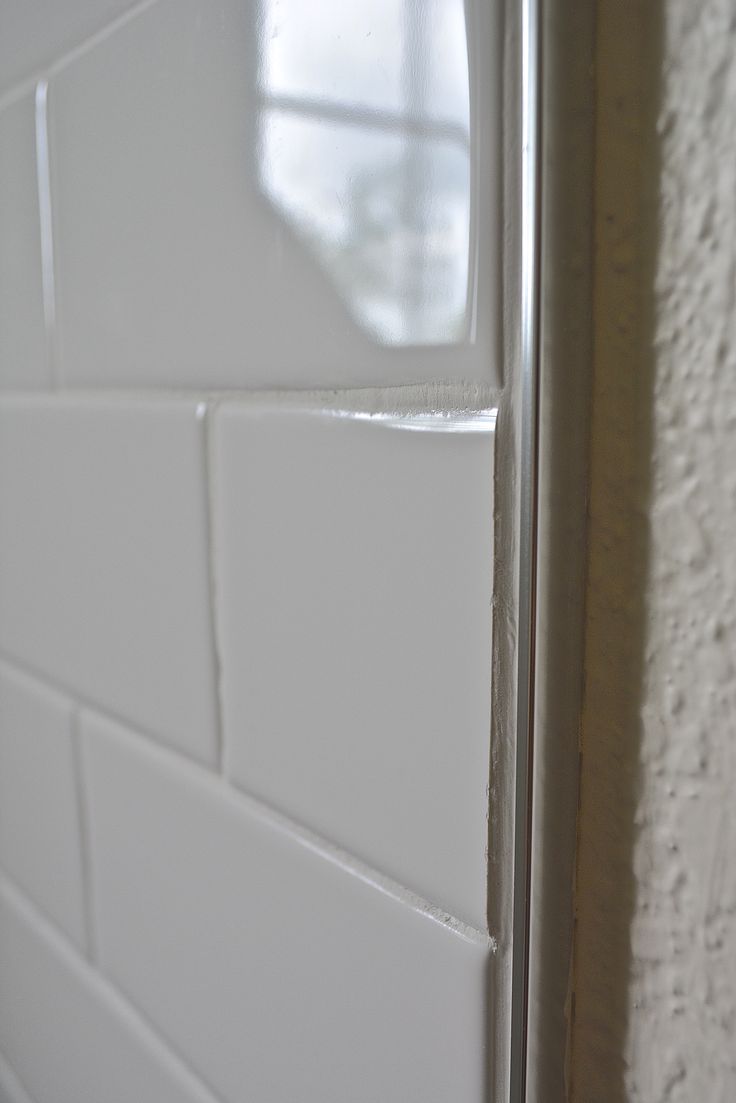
(48, 931)
(304, 835)
(265, 812)
(41, 908)
(450, 399)
(82, 701)
(308, 839)
(299, 832)
(349, 863)
(57, 64)
(434, 421)
(10, 882)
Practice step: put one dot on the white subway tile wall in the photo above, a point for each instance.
(261, 958)
(67, 1035)
(104, 562)
(245, 639)
(357, 557)
(180, 232)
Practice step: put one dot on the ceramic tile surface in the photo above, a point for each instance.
(245, 644)
(271, 194)
(355, 569)
(23, 355)
(65, 1036)
(39, 822)
(280, 975)
(103, 570)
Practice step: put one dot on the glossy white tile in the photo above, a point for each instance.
(24, 361)
(40, 841)
(354, 566)
(279, 973)
(267, 194)
(66, 1035)
(104, 582)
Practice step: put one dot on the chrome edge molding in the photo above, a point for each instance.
(528, 511)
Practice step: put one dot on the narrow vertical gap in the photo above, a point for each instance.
(43, 181)
(85, 842)
(629, 69)
(205, 413)
(567, 149)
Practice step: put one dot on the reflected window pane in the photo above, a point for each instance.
(386, 215)
(380, 54)
(343, 50)
(364, 142)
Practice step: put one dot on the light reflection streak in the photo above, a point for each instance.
(43, 180)
(429, 421)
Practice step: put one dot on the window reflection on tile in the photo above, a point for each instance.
(280, 193)
(371, 53)
(364, 150)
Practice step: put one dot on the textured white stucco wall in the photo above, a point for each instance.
(682, 1017)
(655, 962)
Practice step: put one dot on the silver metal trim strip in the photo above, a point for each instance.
(528, 488)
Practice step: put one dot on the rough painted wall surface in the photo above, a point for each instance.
(655, 968)
(682, 1029)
